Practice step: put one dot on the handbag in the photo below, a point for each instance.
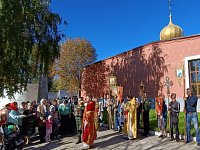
(40, 122)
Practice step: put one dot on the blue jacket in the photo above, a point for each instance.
(191, 103)
(15, 117)
(64, 109)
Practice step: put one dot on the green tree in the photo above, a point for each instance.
(74, 56)
(29, 41)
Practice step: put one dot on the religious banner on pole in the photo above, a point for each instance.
(120, 93)
(114, 91)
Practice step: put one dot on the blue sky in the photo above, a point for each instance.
(115, 26)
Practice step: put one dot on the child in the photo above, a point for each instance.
(11, 131)
(49, 123)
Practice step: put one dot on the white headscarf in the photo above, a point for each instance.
(44, 106)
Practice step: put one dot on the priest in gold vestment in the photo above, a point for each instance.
(125, 117)
(132, 118)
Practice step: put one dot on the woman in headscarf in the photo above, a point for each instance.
(14, 116)
(41, 120)
(28, 124)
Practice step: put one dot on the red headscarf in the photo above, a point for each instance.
(12, 106)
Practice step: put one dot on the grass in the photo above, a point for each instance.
(154, 126)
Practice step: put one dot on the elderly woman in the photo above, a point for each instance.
(41, 120)
(28, 124)
(14, 116)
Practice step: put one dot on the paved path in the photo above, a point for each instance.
(110, 140)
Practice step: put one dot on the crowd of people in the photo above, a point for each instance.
(53, 119)
(129, 114)
(50, 118)
(190, 116)
(84, 116)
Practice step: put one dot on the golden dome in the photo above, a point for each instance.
(171, 31)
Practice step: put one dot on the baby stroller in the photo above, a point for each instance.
(11, 138)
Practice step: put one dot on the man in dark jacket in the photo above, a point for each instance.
(191, 115)
(146, 105)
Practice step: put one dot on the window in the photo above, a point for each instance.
(194, 74)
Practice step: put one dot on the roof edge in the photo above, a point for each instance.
(156, 42)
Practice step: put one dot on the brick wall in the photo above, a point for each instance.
(150, 63)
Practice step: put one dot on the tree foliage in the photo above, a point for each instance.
(74, 56)
(29, 41)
